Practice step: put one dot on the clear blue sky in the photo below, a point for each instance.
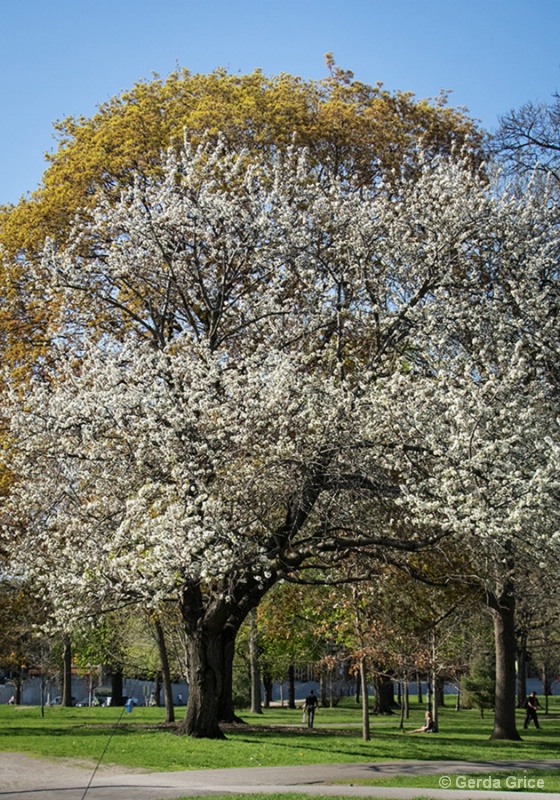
(64, 57)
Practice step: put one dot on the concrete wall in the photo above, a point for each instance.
(31, 694)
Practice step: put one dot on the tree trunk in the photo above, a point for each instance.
(440, 692)
(19, 688)
(67, 672)
(43, 687)
(323, 687)
(291, 686)
(384, 695)
(206, 677)
(158, 683)
(165, 671)
(226, 711)
(547, 685)
(435, 703)
(406, 701)
(366, 733)
(255, 666)
(332, 677)
(401, 721)
(522, 670)
(210, 632)
(434, 682)
(117, 698)
(502, 607)
(419, 689)
(268, 684)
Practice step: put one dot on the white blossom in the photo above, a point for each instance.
(232, 330)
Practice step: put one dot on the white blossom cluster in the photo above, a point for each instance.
(476, 403)
(259, 361)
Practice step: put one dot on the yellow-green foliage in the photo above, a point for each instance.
(366, 128)
(366, 131)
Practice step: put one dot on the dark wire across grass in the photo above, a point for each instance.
(275, 738)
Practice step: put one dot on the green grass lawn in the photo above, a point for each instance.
(275, 738)
(278, 796)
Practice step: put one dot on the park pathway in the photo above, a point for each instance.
(26, 778)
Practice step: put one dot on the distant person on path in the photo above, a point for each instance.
(311, 704)
(428, 726)
(531, 706)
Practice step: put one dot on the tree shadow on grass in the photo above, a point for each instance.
(396, 745)
(78, 730)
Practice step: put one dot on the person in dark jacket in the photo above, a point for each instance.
(311, 704)
(531, 706)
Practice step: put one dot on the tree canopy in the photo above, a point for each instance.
(263, 324)
(274, 366)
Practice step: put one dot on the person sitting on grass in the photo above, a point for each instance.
(428, 726)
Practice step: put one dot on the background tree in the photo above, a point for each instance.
(484, 457)
(21, 644)
(289, 622)
(537, 629)
(478, 687)
(528, 141)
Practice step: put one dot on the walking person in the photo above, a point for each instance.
(531, 706)
(311, 704)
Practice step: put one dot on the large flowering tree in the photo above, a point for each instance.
(263, 367)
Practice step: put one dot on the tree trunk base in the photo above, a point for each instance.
(500, 734)
(233, 719)
(215, 733)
